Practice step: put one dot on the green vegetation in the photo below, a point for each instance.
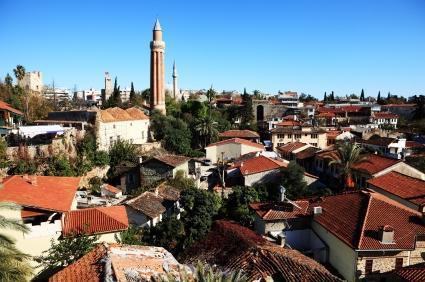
(14, 264)
(64, 252)
(132, 236)
(236, 207)
(293, 181)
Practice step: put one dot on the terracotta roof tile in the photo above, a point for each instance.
(8, 107)
(111, 188)
(289, 123)
(403, 186)
(95, 220)
(168, 192)
(280, 210)
(52, 193)
(234, 247)
(289, 147)
(237, 141)
(239, 134)
(258, 164)
(127, 262)
(135, 113)
(379, 141)
(412, 273)
(357, 218)
(414, 144)
(375, 163)
(306, 153)
(87, 268)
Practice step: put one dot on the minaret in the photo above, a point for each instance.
(157, 70)
(176, 91)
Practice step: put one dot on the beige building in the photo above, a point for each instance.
(231, 149)
(115, 124)
(32, 81)
(313, 136)
(362, 235)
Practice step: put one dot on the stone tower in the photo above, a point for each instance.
(157, 70)
(176, 91)
(108, 87)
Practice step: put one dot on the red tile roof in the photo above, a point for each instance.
(289, 123)
(7, 107)
(356, 219)
(403, 186)
(280, 210)
(384, 115)
(375, 163)
(306, 153)
(258, 164)
(118, 114)
(237, 141)
(414, 144)
(379, 141)
(85, 269)
(95, 220)
(111, 188)
(51, 193)
(239, 134)
(289, 147)
(233, 247)
(411, 273)
(325, 115)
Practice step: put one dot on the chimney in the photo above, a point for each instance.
(387, 234)
(317, 210)
(25, 177)
(34, 180)
(281, 240)
(282, 191)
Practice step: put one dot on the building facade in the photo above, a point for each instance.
(32, 81)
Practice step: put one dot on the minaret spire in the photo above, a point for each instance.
(176, 90)
(157, 70)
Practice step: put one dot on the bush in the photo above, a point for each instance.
(101, 158)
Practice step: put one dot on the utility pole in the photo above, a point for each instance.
(223, 184)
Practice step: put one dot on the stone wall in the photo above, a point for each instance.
(65, 144)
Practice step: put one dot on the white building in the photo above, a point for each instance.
(58, 94)
(32, 81)
(289, 98)
(125, 94)
(231, 149)
(92, 95)
(115, 124)
(384, 119)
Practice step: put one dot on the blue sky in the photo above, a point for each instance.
(308, 46)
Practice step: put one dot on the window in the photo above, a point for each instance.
(368, 266)
(297, 136)
(313, 136)
(398, 263)
(111, 140)
(280, 136)
(113, 126)
(289, 135)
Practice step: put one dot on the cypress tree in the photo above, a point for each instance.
(378, 99)
(388, 96)
(332, 98)
(325, 98)
(362, 95)
(132, 93)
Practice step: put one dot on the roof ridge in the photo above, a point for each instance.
(108, 215)
(364, 219)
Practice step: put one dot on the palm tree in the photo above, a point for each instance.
(19, 72)
(13, 263)
(348, 154)
(207, 129)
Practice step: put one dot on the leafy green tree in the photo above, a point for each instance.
(146, 94)
(293, 181)
(66, 251)
(181, 182)
(200, 206)
(60, 166)
(24, 167)
(122, 151)
(19, 72)
(237, 205)
(169, 234)
(257, 94)
(348, 154)
(14, 264)
(4, 160)
(177, 137)
(132, 236)
(419, 112)
(101, 158)
(95, 184)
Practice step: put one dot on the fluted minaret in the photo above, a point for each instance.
(176, 91)
(157, 70)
